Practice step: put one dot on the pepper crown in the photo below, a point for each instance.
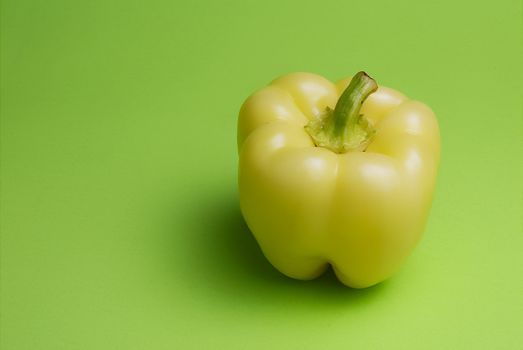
(344, 129)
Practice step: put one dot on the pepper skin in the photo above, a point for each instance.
(361, 211)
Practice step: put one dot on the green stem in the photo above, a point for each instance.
(344, 129)
(347, 111)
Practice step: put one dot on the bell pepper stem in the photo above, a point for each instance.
(347, 111)
(344, 129)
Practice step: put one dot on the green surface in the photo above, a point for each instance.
(120, 226)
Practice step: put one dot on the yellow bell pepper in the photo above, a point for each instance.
(336, 174)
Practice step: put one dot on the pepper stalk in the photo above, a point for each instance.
(344, 129)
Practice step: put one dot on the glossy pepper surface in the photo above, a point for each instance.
(338, 174)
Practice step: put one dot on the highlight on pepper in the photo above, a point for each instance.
(336, 174)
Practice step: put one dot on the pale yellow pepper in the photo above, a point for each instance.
(355, 195)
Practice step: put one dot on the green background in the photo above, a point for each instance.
(119, 208)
